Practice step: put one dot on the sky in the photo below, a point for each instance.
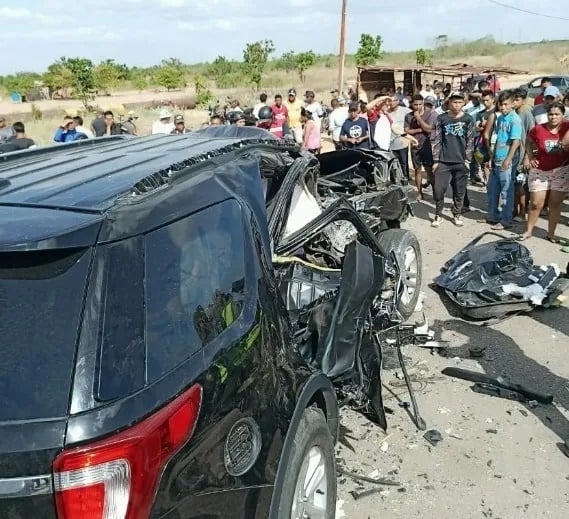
(143, 32)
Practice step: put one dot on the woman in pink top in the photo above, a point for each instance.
(311, 137)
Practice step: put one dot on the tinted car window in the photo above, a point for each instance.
(121, 363)
(195, 272)
(557, 81)
(41, 298)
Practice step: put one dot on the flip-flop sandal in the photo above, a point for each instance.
(565, 249)
(521, 237)
(553, 240)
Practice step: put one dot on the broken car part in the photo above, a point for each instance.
(482, 378)
(491, 280)
(433, 436)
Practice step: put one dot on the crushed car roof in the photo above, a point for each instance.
(86, 194)
(92, 178)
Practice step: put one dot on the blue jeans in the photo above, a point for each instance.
(501, 184)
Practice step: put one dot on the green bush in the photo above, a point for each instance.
(205, 98)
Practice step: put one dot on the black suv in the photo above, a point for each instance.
(171, 347)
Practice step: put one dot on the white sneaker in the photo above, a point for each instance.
(436, 222)
(458, 221)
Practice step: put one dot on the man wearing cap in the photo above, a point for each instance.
(337, 119)
(164, 125)
(294, 108)
(355, 130)
(550, 94)
(539, 99)
(5, 131)
(453, 145)
(179, 126)
(129, 124)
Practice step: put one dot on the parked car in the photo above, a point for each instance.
(533, 87)
(174, 336)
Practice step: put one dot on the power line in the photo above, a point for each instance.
(527, 11)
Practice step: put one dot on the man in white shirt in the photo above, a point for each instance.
(164, 125)
(313, 107)
(550, 94)
(337, 118)
(399, 145)
(258, 106)
(428, 91)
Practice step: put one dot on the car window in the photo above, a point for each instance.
(536, 83)
(41, 297)
(195, 284)
(557, 81)
(121, 362)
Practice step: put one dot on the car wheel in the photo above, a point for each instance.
(309, 488)
(408, 252)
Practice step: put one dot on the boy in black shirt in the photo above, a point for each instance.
(453, 145)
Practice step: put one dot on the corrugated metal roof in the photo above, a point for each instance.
(454, 69)
(93, 178)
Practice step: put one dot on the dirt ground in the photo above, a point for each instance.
(498, 459)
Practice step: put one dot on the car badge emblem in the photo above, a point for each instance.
(242, 447)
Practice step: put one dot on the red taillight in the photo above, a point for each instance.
(116, 478)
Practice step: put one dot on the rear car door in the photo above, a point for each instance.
(207, 296)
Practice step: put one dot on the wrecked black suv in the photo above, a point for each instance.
(174, 335)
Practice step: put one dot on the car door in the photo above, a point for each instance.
(207, 297)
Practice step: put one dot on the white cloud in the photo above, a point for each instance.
(15, 13)
(19, 14)
(173, 3)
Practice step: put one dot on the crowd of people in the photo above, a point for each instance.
(481, 136)
(447, 138)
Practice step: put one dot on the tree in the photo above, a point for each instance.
(170, 74)
(21, 82)
(83, 78)
(108, 74)
(287, 61)
(369, 50)
(74, 73)
(424, 57)
(139, 82)
(219, 67)
(303, 61)
(255, 57)
(58, 78)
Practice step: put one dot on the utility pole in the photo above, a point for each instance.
(342, 49)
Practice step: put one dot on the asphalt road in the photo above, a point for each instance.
(498, 458)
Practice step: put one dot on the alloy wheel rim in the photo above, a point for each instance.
(409, 275)
(310, 499)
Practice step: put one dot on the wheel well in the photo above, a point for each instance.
(329, 409)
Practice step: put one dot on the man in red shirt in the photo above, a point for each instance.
(540, 98)
(280, 117)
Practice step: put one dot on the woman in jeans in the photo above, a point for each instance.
(548, 172)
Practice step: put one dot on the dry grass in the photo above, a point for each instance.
(43, 131)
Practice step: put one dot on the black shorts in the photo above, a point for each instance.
(422, 156)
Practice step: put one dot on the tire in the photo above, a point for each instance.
(313, 441)
(408, 252)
